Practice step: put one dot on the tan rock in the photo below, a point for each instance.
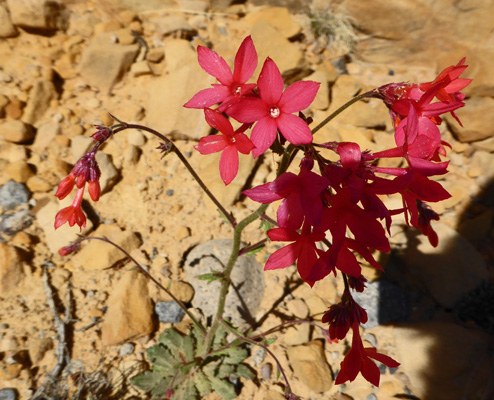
(441, 359)
(183, 291)
(155, 55)
(7, 28)
(125, 36)
(14, 109)
(321, 102)
(16, 131)
(38, 348)
(173, 23)
(38, 14)
(271, 43)
(100, 255)
(477, 120)
(310, 367)
(40, 96)
(38, 184)
(45, 136)
(104, 63)
(109, 173)
(296, 335)
(11, 268)
(279, 17)
(130, 310)
(19, 171)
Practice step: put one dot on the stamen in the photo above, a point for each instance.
(274, 111)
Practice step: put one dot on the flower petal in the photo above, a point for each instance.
(270, 83)
(294, 129)
(245, 61)
(208, 97)
(214, 65)
(262, 194)
(298, 96)
(229, 164)
(211, 144)
(283, 257)
(218, 121)
(263, 135)
(248, 110)
(243, 143)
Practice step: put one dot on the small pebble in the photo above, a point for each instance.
(371, 396)
(266, 371)
(126, 350)
(259, 357)
(170, 192)
(169, 312)
(9, 394)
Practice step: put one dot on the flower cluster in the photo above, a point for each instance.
(339, 204)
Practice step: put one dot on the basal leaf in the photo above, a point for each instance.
(244, 371)
(223, 388)
(202, 383)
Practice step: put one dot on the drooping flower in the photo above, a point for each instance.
(230, 143)
(274, 109)
(233, 86)
(358, 359)
(72, 214)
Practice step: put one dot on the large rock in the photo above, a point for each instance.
(13, 194)
(39, 99)
(450, 270)
(130, 310)
(104, 62)
(38, 14)
(16, 131)
(7, 29)
(279, 17)
(477, 119)
(11, 268)
(443, 361)
(100, 255)
(247, 277)
(170, 93)
(310, 366)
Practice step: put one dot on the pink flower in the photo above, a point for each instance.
(231, 143)
(232, 87)
(72, 214)
(358, 359)
(301, 194)
(303, 250)
(274, 109)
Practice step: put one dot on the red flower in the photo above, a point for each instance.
(358, 359)
(303, 250)
(231, 143)
(72, 214)
(274, 109)
(301, 194)
(232, 87)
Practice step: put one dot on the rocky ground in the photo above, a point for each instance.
(64, 67)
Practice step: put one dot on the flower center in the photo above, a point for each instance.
(274, 111)
(237, 90)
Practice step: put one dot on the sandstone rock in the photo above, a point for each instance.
(140, 68)
(79, 145)
(39, 347)
(483, 161)
(279, 17)
(14, 109)
(38, 14)
(38, 184)
(477, 120)
(271, 43)
(19, 171)
(104, 63)
(170, 93)
(15, 222)
(125, 36)
(63, 236)
(7, 29)
(173, 23)
(183, 291)
(247, 276)
(100, 255)
(296, 335)
(39, 99)
(16, 131)
(450, 270)
(155, 55)
(441, 359)
(310, 366)
(45, 136)
(130, 310)
(11, 268)
(179, 53)
(109, 174)
(321, 102)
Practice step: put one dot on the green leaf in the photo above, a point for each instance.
(244, 371)
(172, 339)
(265, 225)
(220, 337)
(185, 391)
(146, 381)
(188, 348)
(223, 388)
(211, 276)
(254, 251)
(161, 357)
(234, 355)
(225, 370)
(202, 383)
(270, 341)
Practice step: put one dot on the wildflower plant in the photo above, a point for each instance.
(331, 214)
